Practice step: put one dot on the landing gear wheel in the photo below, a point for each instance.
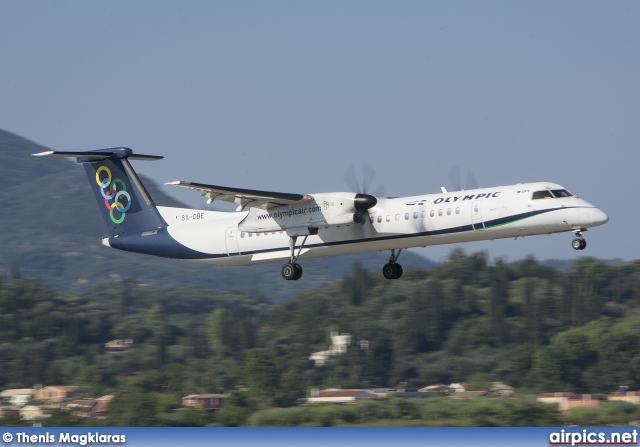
(291, 271)
(288, 271)
(388, 271)
(579, 244)
(298, 273)
(392, 271)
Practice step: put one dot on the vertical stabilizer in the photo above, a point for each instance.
(125, 204)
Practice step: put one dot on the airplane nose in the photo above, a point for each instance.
(598, 217)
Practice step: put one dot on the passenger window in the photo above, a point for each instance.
(406, 216)
(415, 214)
(388, 218)
(432, 213)
(475, 208)
(379, 219)
(449, 212)
(439, 212)
(397, 216)
(542, 195)
(458, 210)
(242, 234)
(424, 214)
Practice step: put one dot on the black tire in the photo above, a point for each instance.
(289, 271)
(577, 244)
(389, 271)
(298, 273)
(392, 271)
(584, 244)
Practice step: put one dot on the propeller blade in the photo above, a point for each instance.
(454, 177)
(368, 173)
(471, 182)
(379, 191)
(351, 179)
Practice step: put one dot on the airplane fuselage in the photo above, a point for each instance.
(394, 223)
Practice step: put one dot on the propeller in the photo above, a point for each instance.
(368, 174)
(363, 200)
(455, 178)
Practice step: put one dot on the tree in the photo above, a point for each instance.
(90, 376)
(236, 410)
(132, 407)
(498, 304)
(564, 363)
(220, 332)
(259, 375)
(357, 284)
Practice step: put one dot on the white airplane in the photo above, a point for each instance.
(271, 226)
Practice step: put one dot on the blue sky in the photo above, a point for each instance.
(287, 95)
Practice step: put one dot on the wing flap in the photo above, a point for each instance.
(282, 254)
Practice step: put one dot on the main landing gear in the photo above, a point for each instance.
(579, 243)
(393, 270)
(292, 271)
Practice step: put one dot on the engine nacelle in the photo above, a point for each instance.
(324, 210)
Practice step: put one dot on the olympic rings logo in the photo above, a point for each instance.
(109, 190)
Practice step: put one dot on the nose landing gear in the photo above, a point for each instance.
(579, 243)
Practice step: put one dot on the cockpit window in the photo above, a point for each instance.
(554, 193)
(546, 194)
(561, 193)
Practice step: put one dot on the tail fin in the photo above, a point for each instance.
(125, 203)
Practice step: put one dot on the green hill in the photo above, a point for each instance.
(51, 230)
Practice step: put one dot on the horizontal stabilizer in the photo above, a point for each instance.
(100, 154)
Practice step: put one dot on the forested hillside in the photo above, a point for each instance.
(533, 327)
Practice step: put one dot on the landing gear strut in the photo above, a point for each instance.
(579, 243)
(393, 270)
(292, 271)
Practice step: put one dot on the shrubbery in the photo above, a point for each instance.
(425, 412)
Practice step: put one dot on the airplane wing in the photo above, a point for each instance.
(244, 197)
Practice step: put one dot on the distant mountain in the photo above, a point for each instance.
(51, 230)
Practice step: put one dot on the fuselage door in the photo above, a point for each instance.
(231, 240)
(476, 215)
